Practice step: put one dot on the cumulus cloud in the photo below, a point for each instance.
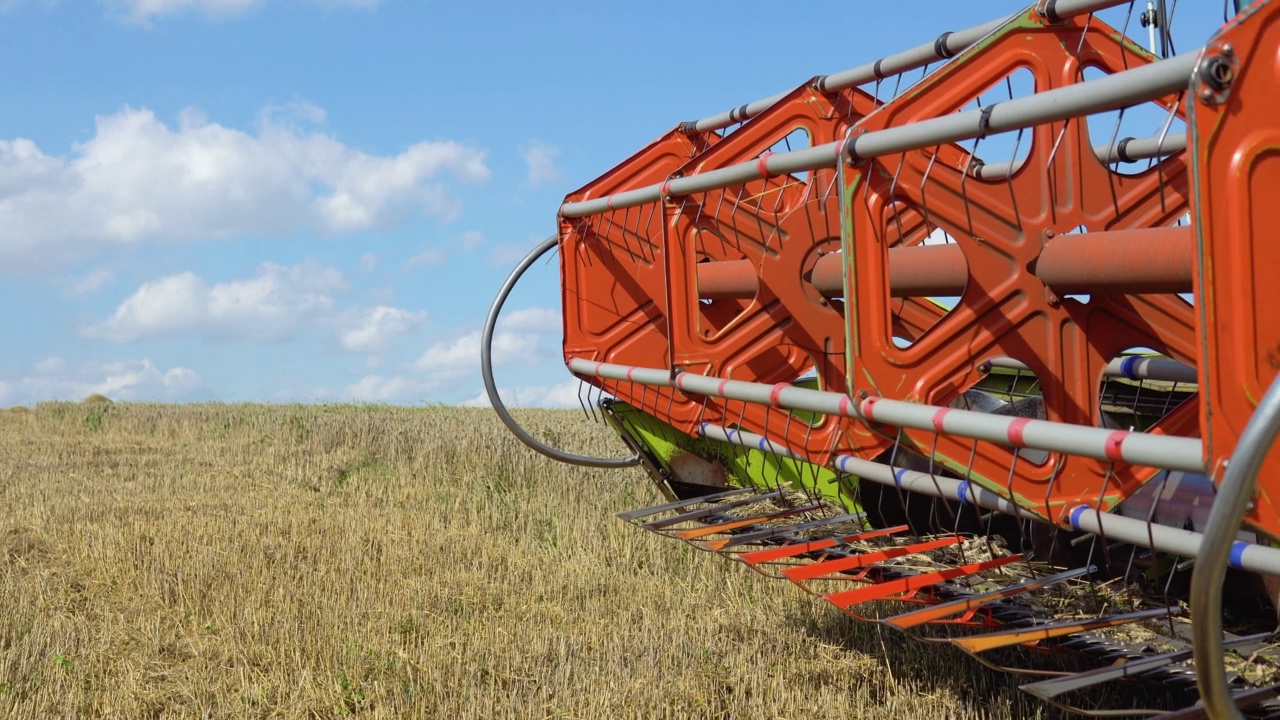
(471, 240)
(55, 378)
(142, 11)
(90, 282)
(563, 395)
(540, 162)
(275, 305)
(428, 256)
(373, 330)
(394, 389)
(140, 180)
(517, 341)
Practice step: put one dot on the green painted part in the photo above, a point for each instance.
(744, 467)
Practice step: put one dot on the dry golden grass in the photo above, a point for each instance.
(289, 561)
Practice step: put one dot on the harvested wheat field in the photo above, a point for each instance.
(309, 561)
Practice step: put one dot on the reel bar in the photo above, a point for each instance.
(1112, 92)
(1128, 262)
(1125, 150)
(1244, 555)
(1137, 448)
(946, 46)
(1133, 367)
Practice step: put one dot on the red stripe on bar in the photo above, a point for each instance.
(720, 387)
(1016, 427)
(1112, 447)
(679, 385)
(938, 416)
(775, 395)
(844, 406)
(631, 371)
(880, 591)
(867, 406)
(762, 165)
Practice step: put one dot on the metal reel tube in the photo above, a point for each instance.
(491, 387)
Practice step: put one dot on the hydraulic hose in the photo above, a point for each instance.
(491, 387)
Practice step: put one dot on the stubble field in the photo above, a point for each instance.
(314, 561)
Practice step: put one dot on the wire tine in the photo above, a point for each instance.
(582, 404)
(1164, 132)
(1022, 536)
(1084, 32)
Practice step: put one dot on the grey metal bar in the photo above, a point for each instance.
(945, 46)
(1162, 451)
(1176, 541)
(926, 484)
(1127, 150)
(1235, 493)
(1109, 93)
(729, 117)
(1132, 367)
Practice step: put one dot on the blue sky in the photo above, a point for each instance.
(316, 200)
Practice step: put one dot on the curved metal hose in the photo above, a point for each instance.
(1234, 495)
(490, 387)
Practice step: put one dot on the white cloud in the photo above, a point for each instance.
(461, 356)
(373, 330)
(57, 379)
(142, 11)
(517, 341)
(534, 319)
(563, 395)
(275, 305)
(471, 240)
(139, 180)
(91, 282)
(540, 160)
(428, 256)
(394, 389)
(368, 262)
(507, 254)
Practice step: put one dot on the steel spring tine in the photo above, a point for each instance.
(933, 475)
(1164, 133)
(1084, 32)
(1022, 536)
(1124, 30)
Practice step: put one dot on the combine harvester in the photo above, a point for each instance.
(934, 353)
